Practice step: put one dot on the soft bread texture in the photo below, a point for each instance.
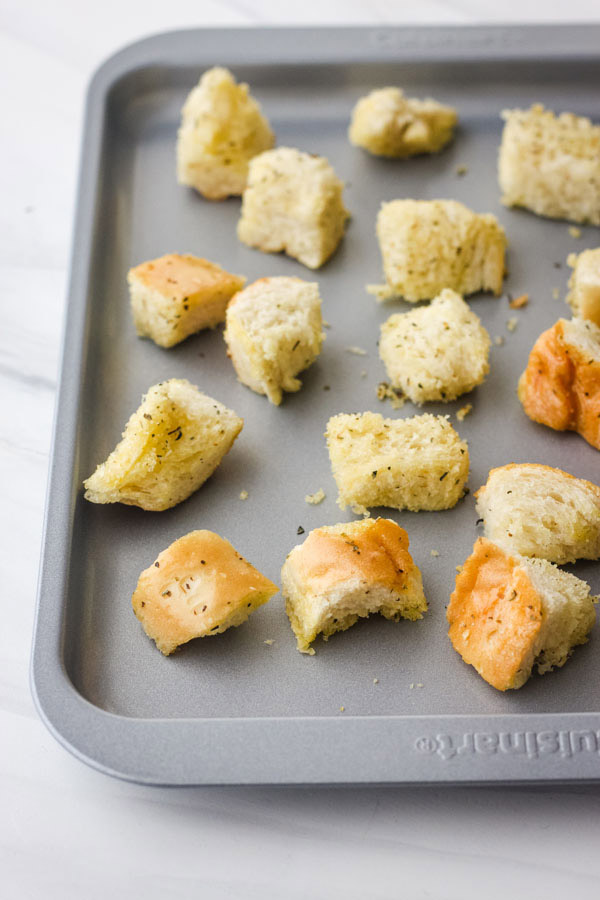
(179, 294)
(222, 128)
(293, 203)
(538, 511)
(345, 572)
(551, 164)
(198, 587)
(560, 387)
(273, 332)
(508, 614)
(170, 446)
(435, 352)
(429, 245)
(386, 123)
(417, 463)
(584, 284)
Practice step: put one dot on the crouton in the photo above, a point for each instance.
(584, 284)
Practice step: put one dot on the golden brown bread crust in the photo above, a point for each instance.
(560, 387)
(495, 616)
(198, 586)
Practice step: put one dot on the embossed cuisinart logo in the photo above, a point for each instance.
(528, 744)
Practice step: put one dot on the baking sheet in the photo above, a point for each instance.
(234, 709)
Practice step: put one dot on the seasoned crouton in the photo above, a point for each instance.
(584, 284)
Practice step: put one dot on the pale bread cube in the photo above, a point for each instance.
(508, 614)
(386, 123)
(177, 295)
(345, 572)
(293, 203)
(560, 387)
(551, 164)
(274, 331)
(535, 510)
(416, 463)
(435, 352)
(429, 245)
(584, 284)
(170, 446)
(198, 587)
(222, 129)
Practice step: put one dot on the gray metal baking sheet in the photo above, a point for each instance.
(235, 709)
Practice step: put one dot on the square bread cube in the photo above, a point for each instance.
(417, 463)
(345, 572)
(177, 295)
(386, 123)
(293, 203)
(584, 284)
(273, 331)
(222, 128)
(560, 387)
(170, 446)
(551, 164)
(535, 510)
(429, 245)
(435, 352)
(198, 587)
(508, 614)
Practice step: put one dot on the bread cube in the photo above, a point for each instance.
(345, 572)
(417, 463)
(535, 510)
(273, 332)
(560, 387)
(170, 446)
(177, 295)
(508, 614)
(584, 284)
(198, 587)
(293, 203)
(551, 164)
(222, 128)
(386, 123)
(435, 352)
(429, 245)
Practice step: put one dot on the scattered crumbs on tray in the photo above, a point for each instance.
(555, 293)
(557, 265)
(461, 170)
(435, 552)
(459, 568)
(315, 498)
(269, 642)
(420, 684)
(363, 373)
(464, 411)
(518, 302)
(574, 231)
(385, 391)
(326, 387)
(300, 530)
(342, 708)
(243, 495)
(326, 324)
(357, 351)
(412, 684)
(512, 323)
(498, 340)
(376, 681)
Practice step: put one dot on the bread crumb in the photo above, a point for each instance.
(412, 685)
(269, 641)
(519, 302)
(243, 495)
(385, 391)
(315, 498)
(326, 324)
(376, 681)
(555, 293)
(435, 552)
(461, 170)
(498, 340)
(358, 351)
(342, 708)
(363, 373)
(419, 685)
(459, 568)
(574, 231)
(464, 411)
(512, 323)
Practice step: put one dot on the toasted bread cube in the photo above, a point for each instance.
(560, 387)
(584, 284)
(435, 352)
(551, 164)
(273, 332)
(417, 463)
(535, 510)
(222, 129)
(386, 123)
(429, 245)
(293, 203)
(177, 295)
(197, 587)
(170, 446)
(508, 614)
(345, 572)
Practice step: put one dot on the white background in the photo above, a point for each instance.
(68, 832)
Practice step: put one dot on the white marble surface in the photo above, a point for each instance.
(68, 832)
